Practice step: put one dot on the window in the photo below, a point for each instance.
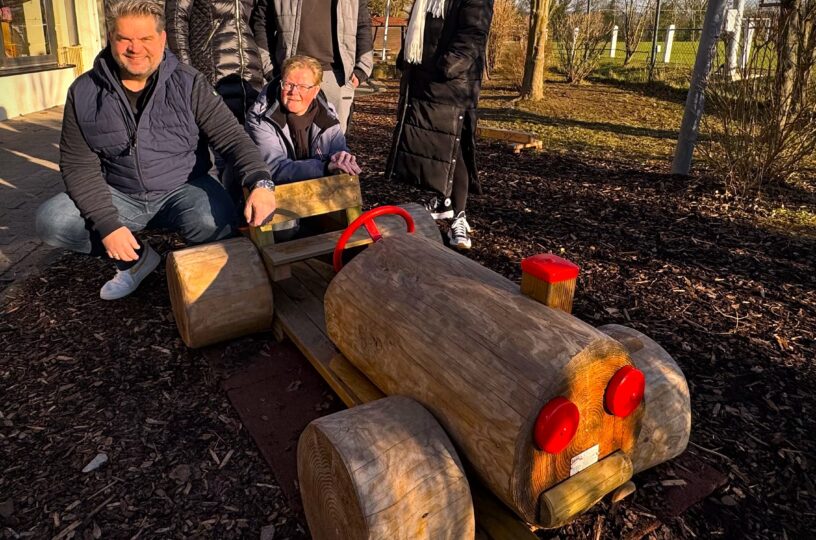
(28, 31)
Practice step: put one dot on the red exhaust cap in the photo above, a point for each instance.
(625, 391)
(556, 425)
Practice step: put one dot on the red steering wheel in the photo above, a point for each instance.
(367, 220)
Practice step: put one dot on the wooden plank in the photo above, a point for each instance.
(290, 300)
(354, 379)
(314, 277)
(505, 135)
(310, 247)
(495, 520)
(315, 197)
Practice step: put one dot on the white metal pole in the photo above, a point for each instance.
(747, 40)
(614, 44)
(669, 41)
(385, 31)
(732, 46)
(695, 100)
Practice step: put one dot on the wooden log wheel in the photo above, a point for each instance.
(219, 291)
(383, 470)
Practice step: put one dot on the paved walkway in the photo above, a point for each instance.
(29, 174)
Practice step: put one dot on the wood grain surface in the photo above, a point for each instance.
(667, 402)
(219, 291)
(384, 470)
(423, 321)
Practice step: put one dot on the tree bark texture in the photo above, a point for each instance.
(533, 85)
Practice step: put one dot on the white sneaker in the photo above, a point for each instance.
(459, 233)
(126, 281)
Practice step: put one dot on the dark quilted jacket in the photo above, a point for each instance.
(436, 113)
(221, 38)
(159, 154)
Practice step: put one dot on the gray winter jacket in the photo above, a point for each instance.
(353, 33)
(266, 124)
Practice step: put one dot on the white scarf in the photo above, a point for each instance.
(416, 27)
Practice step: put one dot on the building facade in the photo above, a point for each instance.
(46, 44)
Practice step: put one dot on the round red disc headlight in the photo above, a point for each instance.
(625, 391)
(556, 425)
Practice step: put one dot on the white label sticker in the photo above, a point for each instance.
(584, 460)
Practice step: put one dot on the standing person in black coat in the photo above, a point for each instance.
(434, 143)
(226, 41)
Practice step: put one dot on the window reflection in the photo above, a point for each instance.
(24, 28)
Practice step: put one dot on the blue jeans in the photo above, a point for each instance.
(200, 210)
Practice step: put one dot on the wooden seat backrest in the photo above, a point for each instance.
(309, 198)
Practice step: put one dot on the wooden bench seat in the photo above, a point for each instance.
(321, 196)
(323, 244)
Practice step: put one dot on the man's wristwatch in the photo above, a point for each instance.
(266, 184)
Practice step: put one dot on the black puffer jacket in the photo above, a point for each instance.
(436, 114)
(221, 38)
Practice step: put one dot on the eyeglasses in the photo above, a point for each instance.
(291, 87)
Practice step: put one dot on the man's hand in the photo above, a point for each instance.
(343, 162)
(121, 245)
(260, 206)
(355, 82)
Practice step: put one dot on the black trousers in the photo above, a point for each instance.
(459, 189)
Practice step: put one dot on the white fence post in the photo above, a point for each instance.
(747, 39)
(385, 32)
(734, 29)
(614, 44)
(669, 41)
(574, 45)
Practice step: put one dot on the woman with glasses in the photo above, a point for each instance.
(297, 130)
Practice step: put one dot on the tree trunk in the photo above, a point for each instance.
(536, 62)
(786, 63)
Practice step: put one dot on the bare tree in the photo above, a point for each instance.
(504, 27)
(532, 87)
(763, 121)
(634, 14)
(796, 46)
(582, 38)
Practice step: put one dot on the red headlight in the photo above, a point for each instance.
(625, 391)
(556, 425)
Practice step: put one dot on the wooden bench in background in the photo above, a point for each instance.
(519, 140)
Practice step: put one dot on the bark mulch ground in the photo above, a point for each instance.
(734, 302)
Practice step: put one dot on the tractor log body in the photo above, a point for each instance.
(422, 321)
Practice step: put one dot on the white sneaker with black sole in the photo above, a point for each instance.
(127, 281)
(459, 233)
(439, 208)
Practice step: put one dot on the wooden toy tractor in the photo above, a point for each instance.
(494, 392)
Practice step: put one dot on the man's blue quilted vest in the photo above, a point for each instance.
(162, 152)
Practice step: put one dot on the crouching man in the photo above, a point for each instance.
(297, 130)
(132, 157)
